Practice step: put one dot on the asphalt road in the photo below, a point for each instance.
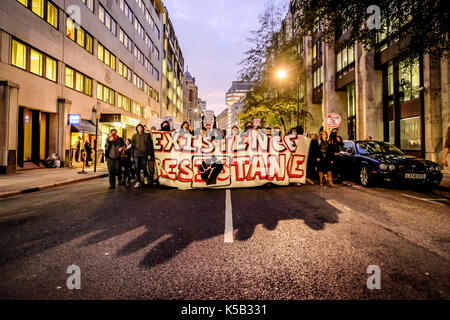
(294, 242)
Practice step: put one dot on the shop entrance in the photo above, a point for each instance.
(33, 132)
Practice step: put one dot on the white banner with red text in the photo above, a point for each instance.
(248, 160)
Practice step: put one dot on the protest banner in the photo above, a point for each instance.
(252, 159)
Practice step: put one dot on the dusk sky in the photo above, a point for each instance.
(212, 36)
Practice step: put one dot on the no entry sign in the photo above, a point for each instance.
(333, 120)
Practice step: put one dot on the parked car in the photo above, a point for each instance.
(370, 162)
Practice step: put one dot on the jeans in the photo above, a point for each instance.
(114, 170)
(141, 164)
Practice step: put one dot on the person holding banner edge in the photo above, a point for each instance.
(142, 151)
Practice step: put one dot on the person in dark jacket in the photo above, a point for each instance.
(113, 149)
(142, 151)
(127, 163)
(165, 126)
(78, 149)
(323, 158)
(88, 150)
(311, 174)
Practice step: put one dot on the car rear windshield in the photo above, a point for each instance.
(372, 147)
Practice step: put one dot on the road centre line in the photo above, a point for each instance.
(228, 235)
(423, 199)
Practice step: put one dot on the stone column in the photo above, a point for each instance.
(432, 108)
(63, 129)
(9, 109)
(333, 101)
(369, 96)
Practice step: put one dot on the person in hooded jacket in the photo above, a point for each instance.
(127, 163)
(113, 149)
(165, 126)
(142, 151)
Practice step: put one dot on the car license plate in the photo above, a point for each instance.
(415, 176)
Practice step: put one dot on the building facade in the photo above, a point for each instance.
(237, 91)
(191, 101)
(376, 94)
(222, 119)
(78, 60)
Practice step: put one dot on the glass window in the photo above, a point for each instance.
(69, 77)
(410, 137)
(36, 62)
(351, 55)
(24, 2)
(52, 15)
(70, 29)
(101, 14)
(89, 42)
(339, 61)
(80, 37)
(344, 58)
(391, 132)
(99, 91)
(390, 80)
(409, 76)
(19, 55)
(100, 52)
(51, 69)
(87, 86)
(37, 6)
(79, 82)
(107, 57)
(113, 62)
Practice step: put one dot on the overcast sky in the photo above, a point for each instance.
(212, 36)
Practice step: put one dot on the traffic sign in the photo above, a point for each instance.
(333, 120)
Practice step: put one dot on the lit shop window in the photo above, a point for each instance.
(410, 134)
(39, 8)
(106, 57)
(32, 60)
(78, 81)
(105, 94)
(107, 20)
(79, 35)
(409, 78)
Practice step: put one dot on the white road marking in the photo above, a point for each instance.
(228, 236)
(423, 199)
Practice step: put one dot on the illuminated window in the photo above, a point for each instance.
(70, 29)
(51, 69)
(89, 4)
(69, 77)
(52, 15)
(37, 6)
(78, 82)
(100, 52)
(80, 37)
(36, 62)
(24, 2)
(19, 55)
(105, 94)
(107, 20)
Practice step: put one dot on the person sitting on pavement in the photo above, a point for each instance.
(113, 148)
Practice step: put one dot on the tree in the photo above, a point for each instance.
(417, 26)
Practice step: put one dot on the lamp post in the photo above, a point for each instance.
(281, 75)
(95, 111)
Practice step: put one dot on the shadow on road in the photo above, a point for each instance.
(171, 220)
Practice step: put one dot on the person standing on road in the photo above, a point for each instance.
(323, 159)
(88, 150)
(142, 150)
(446, 148)
(113, 149)
(78, 149)
(311, 174)
(127, 163)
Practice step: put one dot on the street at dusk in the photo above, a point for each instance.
(288, 243)
(222, 159)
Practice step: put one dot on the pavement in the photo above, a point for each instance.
(277, 243)
(29, 181)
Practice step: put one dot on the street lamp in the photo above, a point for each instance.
(281, 74)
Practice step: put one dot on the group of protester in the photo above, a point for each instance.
(128, 159)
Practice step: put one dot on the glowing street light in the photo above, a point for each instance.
(281, 74)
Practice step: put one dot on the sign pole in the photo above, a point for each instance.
(96, 143)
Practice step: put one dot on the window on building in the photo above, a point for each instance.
(124, 71)
(79, 35)
(45, 9)
(107, 20)
(409, 78)
(19, 55)
(125, 40)
(138, 109)
(51, 69)
(89, 4)
(78, 81)
(410, 136)
(105, 94)
(36, 62)
(52, 15)
(27, 58)
(345, 59)
(123, 102)
(156, 74)
(157, 32)
(105, 56)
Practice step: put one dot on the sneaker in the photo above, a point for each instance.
(146, 181)
(137, 185)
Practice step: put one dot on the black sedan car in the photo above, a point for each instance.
(370, 162)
